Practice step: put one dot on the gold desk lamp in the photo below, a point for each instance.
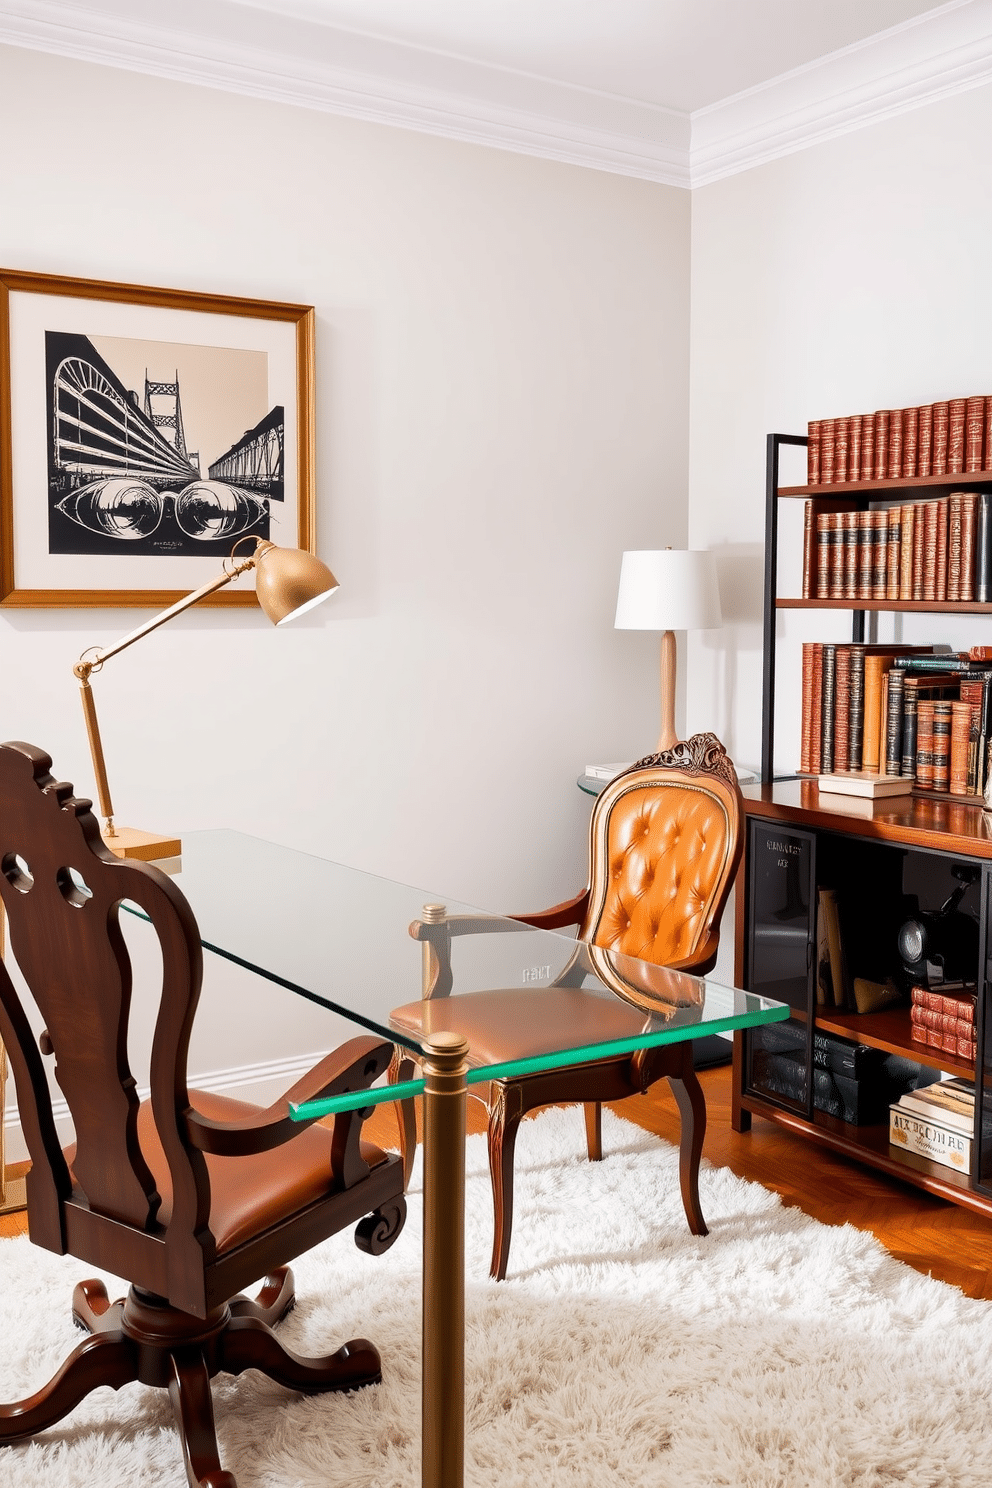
(288, 581)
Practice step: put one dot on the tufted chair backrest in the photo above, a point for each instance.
(665, 845)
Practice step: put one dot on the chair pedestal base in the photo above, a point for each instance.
(144, 1339)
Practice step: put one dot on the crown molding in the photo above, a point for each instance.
(283, 60)
(941, 53)
(335, 71)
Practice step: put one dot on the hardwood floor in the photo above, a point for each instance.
(950, 1243)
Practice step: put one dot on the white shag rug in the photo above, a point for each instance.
(621, 1352)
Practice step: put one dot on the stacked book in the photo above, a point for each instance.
(938, 550)
(945, 438)
(944, 1018)
(852, 1081)
(909, 714)
(936, 1122)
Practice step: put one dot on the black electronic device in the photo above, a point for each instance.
(941, 945)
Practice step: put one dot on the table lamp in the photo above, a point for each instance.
(668, 590)
(288, 582)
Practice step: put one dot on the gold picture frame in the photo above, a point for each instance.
(103, 497)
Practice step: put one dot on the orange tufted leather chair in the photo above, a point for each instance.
(665, 845)
(188, 1195)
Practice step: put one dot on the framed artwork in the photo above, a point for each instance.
(143, 433)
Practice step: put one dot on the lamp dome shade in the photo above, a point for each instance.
(289, 581)
(668, 589)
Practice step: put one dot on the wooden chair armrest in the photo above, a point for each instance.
(702, 960)
(354, 1066)
(570, 912)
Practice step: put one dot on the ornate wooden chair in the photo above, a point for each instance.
(665, 844)
(189, 1196)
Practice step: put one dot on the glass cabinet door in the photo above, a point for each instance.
(781, 940)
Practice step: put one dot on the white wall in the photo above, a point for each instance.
(849, 277)
(502, 364)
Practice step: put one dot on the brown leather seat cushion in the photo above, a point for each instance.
(248, 1194)
(517, 1023)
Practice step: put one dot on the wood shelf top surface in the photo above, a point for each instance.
(889, 1030)
(939, 825)
(919, 606)
(964, 480)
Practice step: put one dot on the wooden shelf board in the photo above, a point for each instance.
(884, 606)
(935, 824)
(870, 1145)
(834, 490)
(890, 1030)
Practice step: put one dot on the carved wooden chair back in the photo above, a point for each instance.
(62, 891)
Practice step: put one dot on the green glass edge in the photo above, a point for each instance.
(353, 1100)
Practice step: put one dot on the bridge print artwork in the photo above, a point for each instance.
(145, 433)
(122, 476)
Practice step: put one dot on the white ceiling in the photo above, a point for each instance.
(677, 91)
(679, 54)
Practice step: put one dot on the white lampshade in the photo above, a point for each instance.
(668, 589)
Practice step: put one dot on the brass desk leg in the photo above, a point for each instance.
(443, 1409)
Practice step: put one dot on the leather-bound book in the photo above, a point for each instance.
(941, 747)
(824, 538)
(910, 429)
(879, 552)
(856, 708)
(806, 717)
(842, 436)
(983, 548)
(854, 447)
(842, 708)
(813, 453)
(866, 554)
(969, 509)
(955, 435)
(893, 721)
(975, 692)
(881, 443)
(907, 524)
(907, 763)
(959, 748)
(988, 435)
(924, 439)
(827, 431)
(893, 559)
(938, 462)
(850, 533)
(877, 664)
(894, 470)
(836, 555)
(809, 550)
(919, 541)
(974, 433)
(924, 744)
(954, 546)
(828, 664)
(816, 711)
(931, 513)
(867, 464)
(941, 576)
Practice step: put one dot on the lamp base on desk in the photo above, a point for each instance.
(129, 842)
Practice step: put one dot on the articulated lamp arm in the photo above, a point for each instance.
(289, 581)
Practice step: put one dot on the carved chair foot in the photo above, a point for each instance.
(273, 1302)
(189, 1391)
(92, 1309)
(691, 1102)
(105, 1358)
(250, 1344)
(376, 1232)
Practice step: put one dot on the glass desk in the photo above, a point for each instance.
(348, 941)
